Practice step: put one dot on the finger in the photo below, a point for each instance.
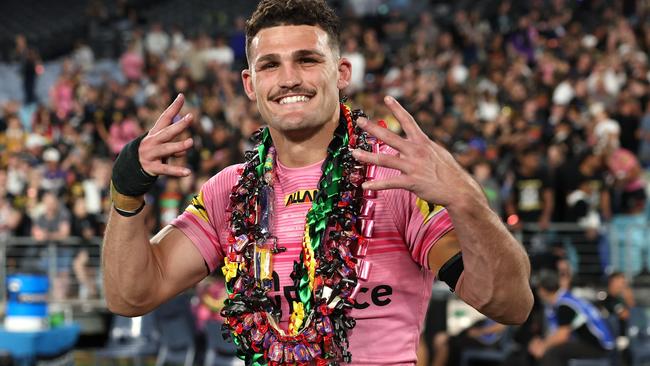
(385, 160)
(170, 170)
(170, 132)
(400, 181)
(166, 117)
(170, 148)
(405, 119)
(180, 154)
(384, 134)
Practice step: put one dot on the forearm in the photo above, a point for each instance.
(130, 269)
(497, 269)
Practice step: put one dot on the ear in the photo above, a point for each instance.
(345, 73)
(247, 80)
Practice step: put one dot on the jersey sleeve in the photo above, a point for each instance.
(205, 220)
(420, 223)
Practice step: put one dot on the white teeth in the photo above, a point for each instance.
(294, 99)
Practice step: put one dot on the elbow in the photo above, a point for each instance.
(509, 307)
(120, 302)
(122, 307)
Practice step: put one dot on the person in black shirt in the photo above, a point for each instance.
(532, 194)
(619, 298)
(575, 328)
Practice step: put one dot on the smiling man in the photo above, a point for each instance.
(330, 233)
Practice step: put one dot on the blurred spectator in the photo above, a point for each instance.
(132, 63)
(157, 41)
(644, 137)
(351, 52)
(54, 177)
(9, 217)
(83, 56)
(29, 60)
(619, 298)
(53, 223)
(575, 328)
(484, 334)
(87, 227)
(218, 52)
(628, 184)
(531, 200)
(482, 172)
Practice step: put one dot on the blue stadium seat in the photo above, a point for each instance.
(639, 334)
(505, 348)
(133, 338)
(219, 352)
(175, 322)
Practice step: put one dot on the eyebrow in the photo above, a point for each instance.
(295, 54)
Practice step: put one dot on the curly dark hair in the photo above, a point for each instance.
(271, 13)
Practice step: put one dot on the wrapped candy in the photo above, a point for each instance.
(265, 211)
(301, 353)
(240, 243)
(263, 264)
(288, 354)
(276, 352)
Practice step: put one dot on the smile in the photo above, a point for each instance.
(294, 99)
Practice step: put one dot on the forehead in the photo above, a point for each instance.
(286, 39)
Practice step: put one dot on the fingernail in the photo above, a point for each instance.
(362, 121)
(178, 97)
(188, 116)
(389, 99)
(186, 172)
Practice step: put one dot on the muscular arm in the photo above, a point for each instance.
(495, 278)
(140, 274)
(496, 268)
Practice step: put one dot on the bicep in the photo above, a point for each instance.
(445, 248)
(179, 261)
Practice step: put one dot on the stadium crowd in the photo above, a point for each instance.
(545, 102)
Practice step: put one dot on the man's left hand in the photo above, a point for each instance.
(428, 169)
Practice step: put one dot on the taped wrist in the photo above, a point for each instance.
(450, 272)
(128, 177)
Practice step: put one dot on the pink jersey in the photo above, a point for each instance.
(393, 301)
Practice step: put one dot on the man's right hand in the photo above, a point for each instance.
(159, 143)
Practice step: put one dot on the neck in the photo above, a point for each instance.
(296, 149)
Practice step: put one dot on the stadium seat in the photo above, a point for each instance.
(639, 334)
(134, 338)
(219, 352)
(506, 346)
(590, 362)
(175, 322)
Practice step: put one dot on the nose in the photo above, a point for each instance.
(289, 77)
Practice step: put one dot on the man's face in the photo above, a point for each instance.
(295, 77)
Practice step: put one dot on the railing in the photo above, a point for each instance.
(73, 265)
(621, 245)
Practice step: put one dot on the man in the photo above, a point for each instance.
(575, 328)
(295, 78)
(619, 299)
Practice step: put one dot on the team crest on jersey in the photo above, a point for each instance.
(197, 207)
(300, 196)
(428, 210)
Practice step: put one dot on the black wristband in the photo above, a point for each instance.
(128, 176)
(129, 213)
(450, 272)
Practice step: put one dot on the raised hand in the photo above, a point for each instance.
(428, 169)
(159, 143)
